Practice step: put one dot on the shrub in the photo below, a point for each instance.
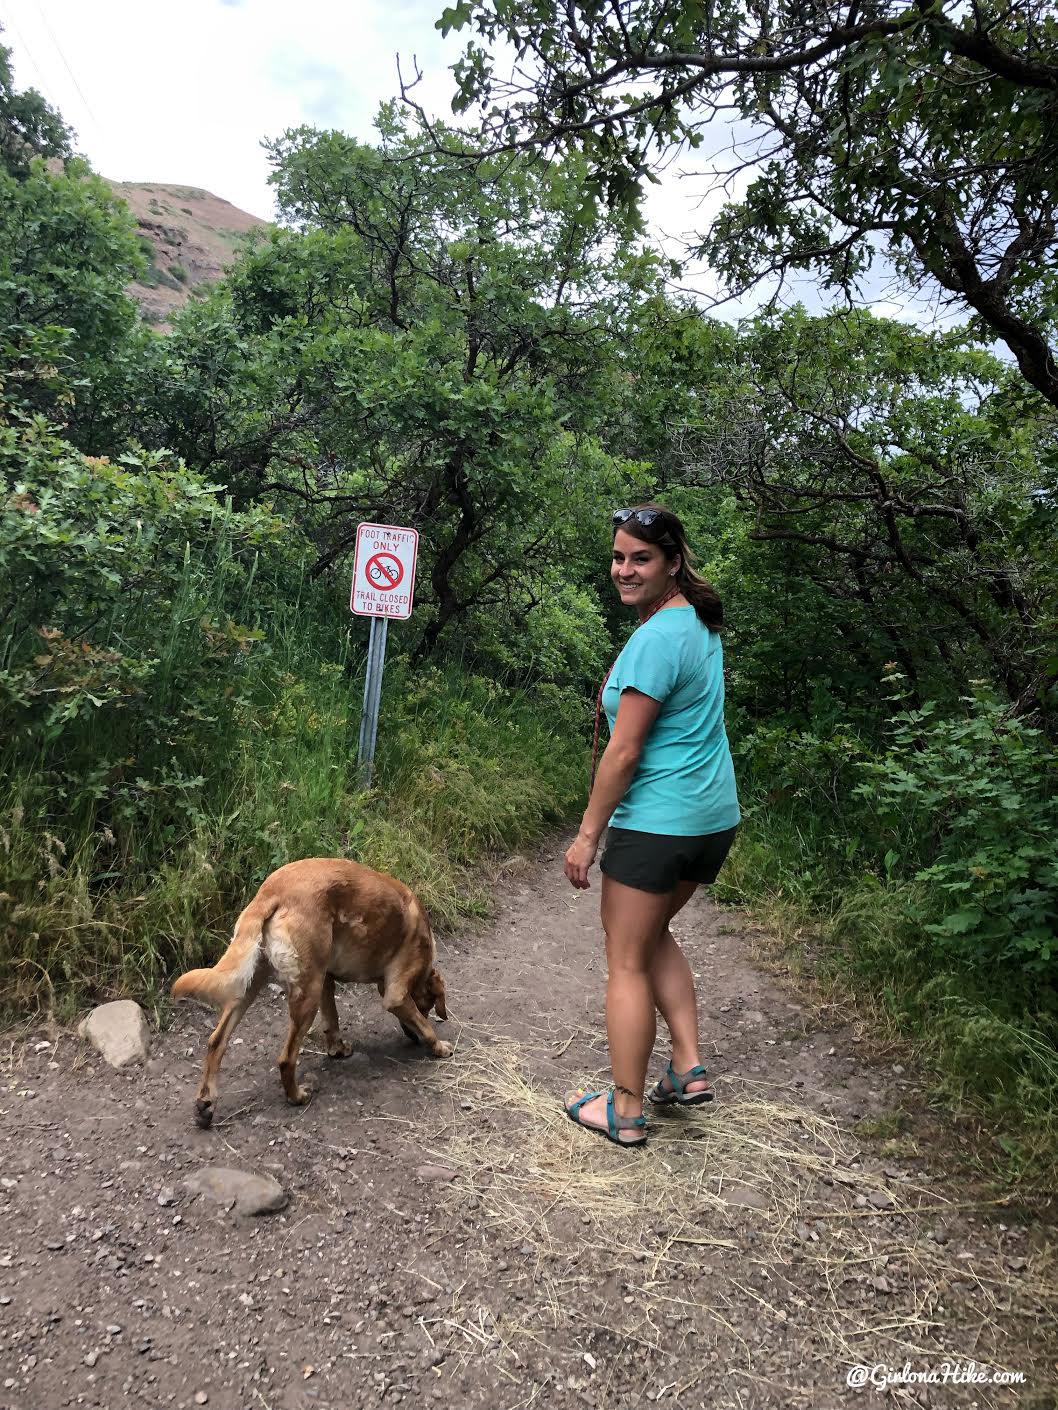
(156, 275)
(179, 711)
(123, 653)
(970, 806)
(921, 871)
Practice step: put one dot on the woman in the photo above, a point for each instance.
(666, 787)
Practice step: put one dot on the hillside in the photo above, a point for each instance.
(193, 236)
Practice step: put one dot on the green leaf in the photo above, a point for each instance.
(962, 922)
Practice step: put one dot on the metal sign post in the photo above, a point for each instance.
(383, 587)
(376, 660)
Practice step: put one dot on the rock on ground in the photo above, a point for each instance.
(119, 1032)
(249, 1194)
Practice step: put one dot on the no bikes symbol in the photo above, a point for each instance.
(384, 571)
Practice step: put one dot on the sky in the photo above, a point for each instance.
(184, 93)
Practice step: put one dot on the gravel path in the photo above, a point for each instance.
(450, 1238)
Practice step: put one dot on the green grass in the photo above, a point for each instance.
(464, 769)
(156, 275)
(986, 1056)
(187, 721)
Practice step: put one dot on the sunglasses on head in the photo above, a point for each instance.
(645, 517)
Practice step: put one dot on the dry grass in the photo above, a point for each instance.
(773, 1150)
(752, 1216)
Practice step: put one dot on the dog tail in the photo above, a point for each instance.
(233, 973)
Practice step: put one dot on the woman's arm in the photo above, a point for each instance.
(636, 714)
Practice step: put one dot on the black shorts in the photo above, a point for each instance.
(658, 861)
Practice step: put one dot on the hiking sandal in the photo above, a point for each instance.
(679, 1094)
(615, 1122)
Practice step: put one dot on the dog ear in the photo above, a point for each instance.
(437, 986)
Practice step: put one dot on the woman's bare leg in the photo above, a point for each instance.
(673, 987)
(633, 921)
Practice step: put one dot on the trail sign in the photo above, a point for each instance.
(383, 587)
(384, 571)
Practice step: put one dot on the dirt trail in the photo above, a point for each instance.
(748, 1258)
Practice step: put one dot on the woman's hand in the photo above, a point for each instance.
(579, 859)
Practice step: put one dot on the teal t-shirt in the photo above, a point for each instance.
(684, 783)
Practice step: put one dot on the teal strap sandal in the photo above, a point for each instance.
(615, 1122)
(662, 1096)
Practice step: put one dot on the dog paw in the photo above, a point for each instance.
(204, 1114)
(441, 1049)
(340, 1049)
(302, 1097)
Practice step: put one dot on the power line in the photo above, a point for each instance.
(88, 107)
(10, 23)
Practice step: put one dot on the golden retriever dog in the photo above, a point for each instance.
(313, 922)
